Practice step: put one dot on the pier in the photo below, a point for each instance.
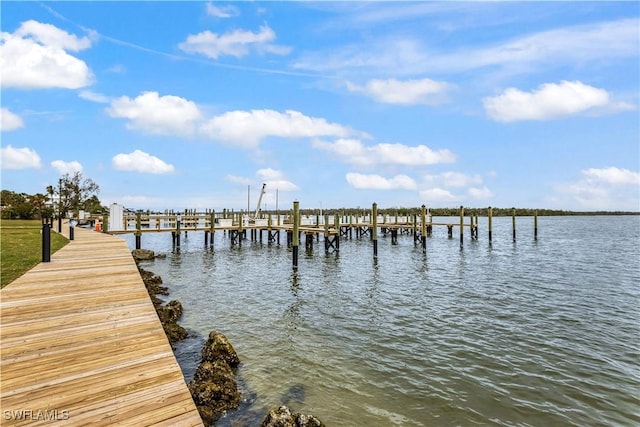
(82, 344)
(331, 227)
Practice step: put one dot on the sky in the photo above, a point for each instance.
(194, 105)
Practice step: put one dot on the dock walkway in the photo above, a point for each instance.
(81, 344)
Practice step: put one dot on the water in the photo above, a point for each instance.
(531, 333)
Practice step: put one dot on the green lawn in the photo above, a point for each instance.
(21, 247)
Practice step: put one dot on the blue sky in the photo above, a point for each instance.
(335, 104)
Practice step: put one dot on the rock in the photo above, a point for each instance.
(279, 417)
(169, 315)
(214, 390)
(208, 415)
(304, 420)
(218, 347)
(174, 332)
(152, 283)
(219, 372)
(283, 417)
(143, 254)
(171, 312)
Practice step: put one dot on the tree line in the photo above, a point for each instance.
(73, 193)
(455, 211)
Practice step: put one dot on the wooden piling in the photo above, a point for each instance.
(513, 221)
(490, 220)
(475, 225)
(296, 237)
(461, 225)
(212, 225)
(374, 232)
(241, 232)
(308, 243)
(423, 230)
(326, 233)
(177, 245)
(535, 225)
(336, 223)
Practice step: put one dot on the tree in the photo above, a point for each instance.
(74, 190)
(93, 205)
(16, 205)
(39, 203)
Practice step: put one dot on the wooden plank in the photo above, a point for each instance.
(80, 336)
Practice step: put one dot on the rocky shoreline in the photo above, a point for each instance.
(214, 388)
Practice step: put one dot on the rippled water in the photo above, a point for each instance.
(536, 333)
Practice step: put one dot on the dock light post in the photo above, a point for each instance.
(46, 238)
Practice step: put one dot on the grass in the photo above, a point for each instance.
(21, 247)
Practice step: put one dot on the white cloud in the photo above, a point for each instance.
(452, 179)
(355, 152)
(237, 43)
(35, 57)
(613, 175)
(410, 56)
(9, 121)
(437, 195)
(52, 36)
(281, 185)
(247, 128)
(19, 158)
(269, 174)
(408, 92)
(565, 45)
(67, 167)
(377, 182)
(142, 162)
(94, 97)
(606, 189)
(549, 101)
(162, 115)
(116, 69)
(221, 11)
(480, 193)
(237, 179)
(275, 180)
(438, 187)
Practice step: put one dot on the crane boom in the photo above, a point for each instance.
(260, 200)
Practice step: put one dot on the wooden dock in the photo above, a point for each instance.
(81, 344)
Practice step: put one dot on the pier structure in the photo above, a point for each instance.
(239, 226)
(299, 227)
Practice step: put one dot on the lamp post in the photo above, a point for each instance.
(46, 239)
(60, 205)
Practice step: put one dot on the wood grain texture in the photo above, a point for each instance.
(81, 344)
